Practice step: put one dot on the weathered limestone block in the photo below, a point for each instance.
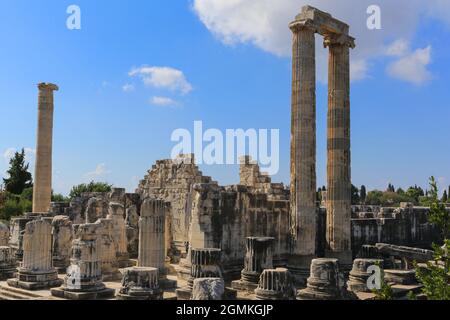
(208, 289)
(7, 263)
(75, 211)
(205, 263)
(140, 283)
(324, 282)
(132, 217)
(17, 231)
(259, 256)
(132, 223)
(84, 278)
(96, 208)
(36, 271)
(401, 277)
(406, 254)
(117, 214)
(62, 233)
(359, 275)
(117, 195)
(108, 258)
(4, 234)
(275, 284)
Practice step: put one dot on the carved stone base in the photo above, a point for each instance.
(34, 280)
(242, 285)
(7, 273)
(105, 293)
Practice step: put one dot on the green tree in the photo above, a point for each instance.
(19, 177)
(355, 195)
(445, 197)
(436, 276)
(363, 194)
(438, 213)
(78, 190)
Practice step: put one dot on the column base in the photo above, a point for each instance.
(7, 273)
(29, 280)
(242, 285)
(105, 293)
(299, 267)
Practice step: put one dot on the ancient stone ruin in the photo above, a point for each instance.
(182, 235)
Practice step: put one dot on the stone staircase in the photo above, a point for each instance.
(10, 293)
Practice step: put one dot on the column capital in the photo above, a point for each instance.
(299, 25)
(48, 86)
(339, 40)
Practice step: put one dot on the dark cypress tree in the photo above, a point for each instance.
(363, 194)
(19, 176)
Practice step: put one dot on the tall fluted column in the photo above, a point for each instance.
(338, 168)
(303, 146)
(151, 235)
(42, 191)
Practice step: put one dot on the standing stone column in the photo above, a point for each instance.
(303, 148)
(42, 190)
(151, 234)
(152, 228)
(107, 249)
(338, 168)
(36, 271)
(259, 256)
(84, 277)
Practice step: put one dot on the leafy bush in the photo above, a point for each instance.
(78, 190)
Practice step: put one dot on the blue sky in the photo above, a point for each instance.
(234, 71)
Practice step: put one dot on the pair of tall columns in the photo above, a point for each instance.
(303, 144)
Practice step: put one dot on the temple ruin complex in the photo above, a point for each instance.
(182, 235)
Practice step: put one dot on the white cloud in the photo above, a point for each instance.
(128, 87)
(99, 171)
(398, 48)
(412, 67)
(264, 23)
(163, 101)
(9, 153)
(358, 70)
(163, 77)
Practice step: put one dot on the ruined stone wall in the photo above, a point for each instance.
(405, 226)
(223, 217)
(172, 181)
